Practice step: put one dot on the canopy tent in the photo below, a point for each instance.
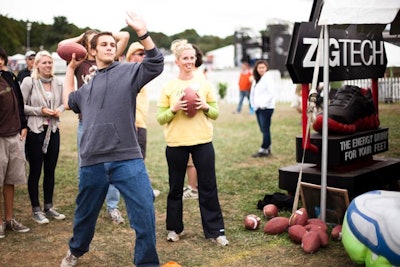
(392, 54)
(373, 14)
(358, 12)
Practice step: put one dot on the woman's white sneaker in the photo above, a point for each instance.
(221, 240)
(40, 218)
(173, 236)
(52, 213)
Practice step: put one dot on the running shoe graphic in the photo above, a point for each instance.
(351, 110)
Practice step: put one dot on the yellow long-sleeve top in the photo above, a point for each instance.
(180, 130)
(142, 108)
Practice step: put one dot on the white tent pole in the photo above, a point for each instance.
(324, 152)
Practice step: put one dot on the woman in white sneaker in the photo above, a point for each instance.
(43, 106)
(190, 135)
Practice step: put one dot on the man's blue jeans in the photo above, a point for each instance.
(113, 195)
(131, 179)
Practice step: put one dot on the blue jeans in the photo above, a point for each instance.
(113, 195)
(242, 96)
(131, 179)
(264, 122)
(78, 142)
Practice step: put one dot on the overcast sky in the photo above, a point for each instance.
(207, 17)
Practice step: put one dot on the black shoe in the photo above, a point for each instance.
(352, 109)
(259, 154)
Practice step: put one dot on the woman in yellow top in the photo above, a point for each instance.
(184, 136)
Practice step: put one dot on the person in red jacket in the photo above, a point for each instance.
(245, 81)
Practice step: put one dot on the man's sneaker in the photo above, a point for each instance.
(190, 193)
(352, 109)
(221, 240)
(2, 230)
(173, 236)
(115, 216)
(156, 192)
(69, 260)
(16, 226)
(40, 218)
(52, 213)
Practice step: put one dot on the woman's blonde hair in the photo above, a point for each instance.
(38, 57)
(180, 45)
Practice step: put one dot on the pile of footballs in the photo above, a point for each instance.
(311, 233)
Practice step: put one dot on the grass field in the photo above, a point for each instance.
(242, 181)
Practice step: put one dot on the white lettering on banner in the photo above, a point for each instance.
(365, 145)
(346, 52)
(308, 61)
(381, 146)
(349, 155)
(363, 140)
(381, 136)
(344, 145)
(364, 151)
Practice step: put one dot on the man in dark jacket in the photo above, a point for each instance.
(13, 129)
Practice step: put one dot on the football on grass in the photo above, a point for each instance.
(296, 232)
(270, 211)
(310, 242)
(191, 96)
(66, 50)
(276, 225)
(252, 222)
(300, 216)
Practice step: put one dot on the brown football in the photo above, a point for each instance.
(252, 222)
(336, 232)
(66, 50)
(296, 232)
(310, 242)
(276, 225)
(190, 95)
(270, 211)
(300, 216)
(319, 222)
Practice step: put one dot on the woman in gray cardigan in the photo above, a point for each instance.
(43, 106)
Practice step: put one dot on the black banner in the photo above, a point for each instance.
(355, 52)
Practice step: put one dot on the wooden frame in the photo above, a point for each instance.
(337, 201)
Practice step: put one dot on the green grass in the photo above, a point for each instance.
(242, 181)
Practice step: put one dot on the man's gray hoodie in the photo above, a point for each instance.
(108, 104)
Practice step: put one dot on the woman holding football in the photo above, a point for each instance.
(190, 131)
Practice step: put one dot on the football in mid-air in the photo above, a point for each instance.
(190, 95)
(252, 222)
(66, 50)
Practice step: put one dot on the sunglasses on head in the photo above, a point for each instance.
(31, 58)
(140, 54)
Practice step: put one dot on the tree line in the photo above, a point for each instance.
(14, 36)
